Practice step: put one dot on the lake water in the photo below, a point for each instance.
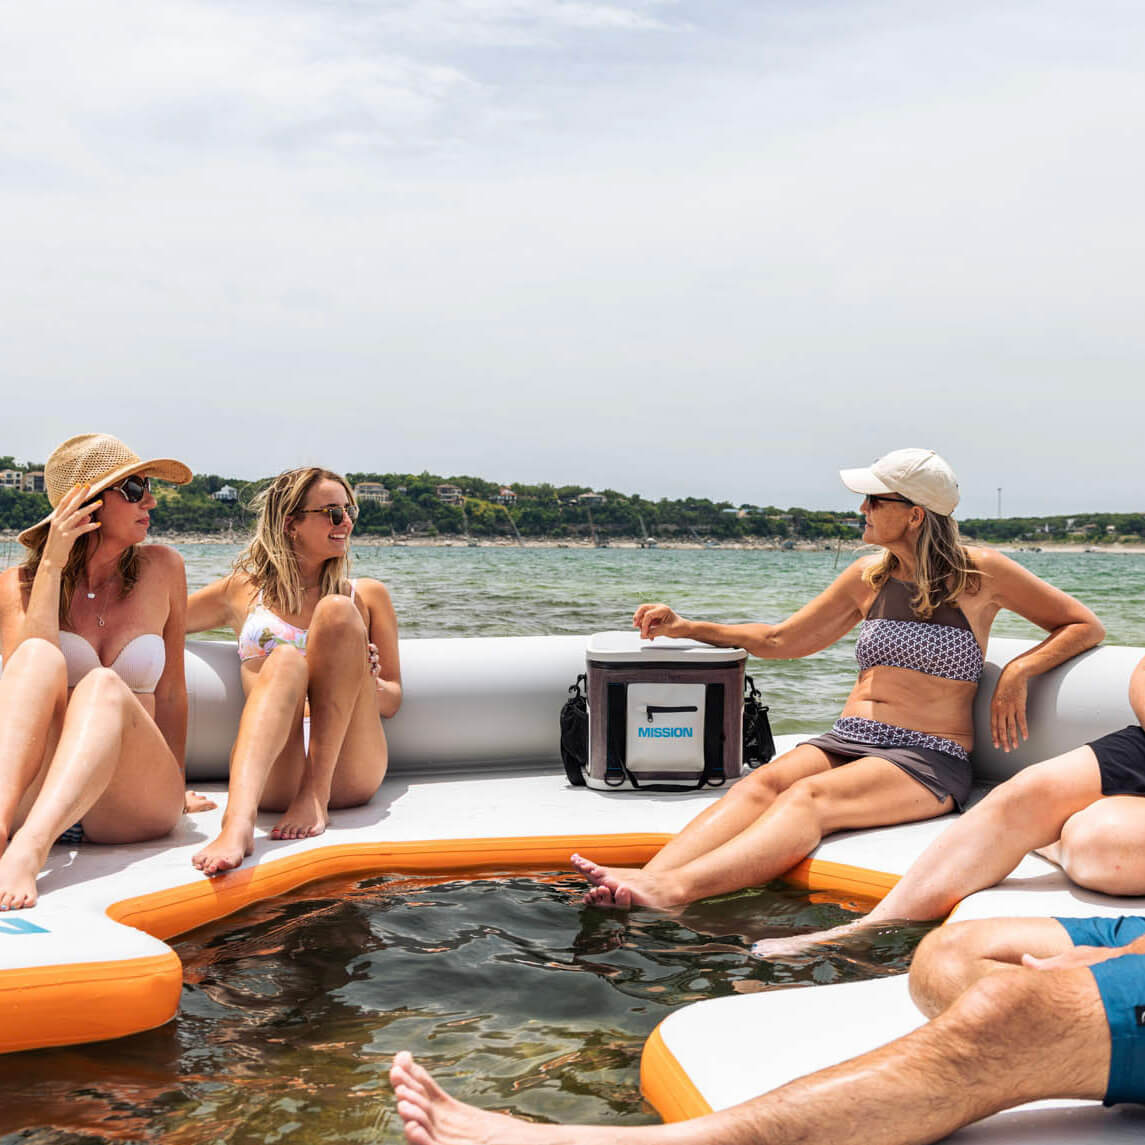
(515, 994)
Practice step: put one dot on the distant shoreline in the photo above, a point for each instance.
(373, 541)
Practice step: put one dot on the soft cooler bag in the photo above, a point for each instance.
(666, 714)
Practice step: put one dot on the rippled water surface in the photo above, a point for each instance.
(517, 995)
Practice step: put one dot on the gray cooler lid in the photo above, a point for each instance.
(626, 647)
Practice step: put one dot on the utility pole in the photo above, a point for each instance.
(999, 502)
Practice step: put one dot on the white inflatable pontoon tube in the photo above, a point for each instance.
(486, 701)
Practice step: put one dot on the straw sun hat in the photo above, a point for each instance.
(102, 460)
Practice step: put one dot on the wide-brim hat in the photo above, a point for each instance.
(100, 460)
(919, 475)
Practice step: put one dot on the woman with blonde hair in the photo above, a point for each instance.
(93, 704)
(310, 640)
(900, 750)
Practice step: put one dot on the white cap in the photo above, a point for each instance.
(919, 475)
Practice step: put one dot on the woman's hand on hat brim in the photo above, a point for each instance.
(71, 520)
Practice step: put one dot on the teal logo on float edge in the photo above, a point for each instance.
(20, 926)
(664, 733)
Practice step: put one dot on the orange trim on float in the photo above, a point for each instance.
(164, 914)
(666, 1086)
(822, 875)
(87, 1002)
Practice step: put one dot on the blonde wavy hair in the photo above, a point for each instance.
(944, 566)
(128, 570)
(269, 559)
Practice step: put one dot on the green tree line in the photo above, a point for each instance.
(555, 511)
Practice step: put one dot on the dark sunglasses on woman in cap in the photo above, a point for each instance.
(877, 499)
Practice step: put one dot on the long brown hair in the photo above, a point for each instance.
(269, 559)
(128, 569)
(943, 566)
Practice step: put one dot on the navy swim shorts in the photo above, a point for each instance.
(1121, 983)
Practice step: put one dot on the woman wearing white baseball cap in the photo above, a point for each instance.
(900, 749)
(88, 751)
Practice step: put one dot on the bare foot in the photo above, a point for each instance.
(790, 946)
(233, 843)
(306, 816)
(431, 1117)
(18, 871)
(624, 887)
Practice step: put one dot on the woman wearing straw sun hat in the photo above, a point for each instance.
(900, 749)
(93, 704)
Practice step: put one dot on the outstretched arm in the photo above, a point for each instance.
(210, 607)
(817, 625)
(1072, 628)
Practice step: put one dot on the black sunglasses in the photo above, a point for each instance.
(133, 488)
(337, 512)
(875, 499)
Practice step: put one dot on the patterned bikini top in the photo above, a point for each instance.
(893, 637)
(263, 631)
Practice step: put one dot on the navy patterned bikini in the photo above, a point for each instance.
(943, 645)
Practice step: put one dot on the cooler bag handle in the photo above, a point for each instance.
(758, 742)
(574, 733)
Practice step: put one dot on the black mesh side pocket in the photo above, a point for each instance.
(574, 733)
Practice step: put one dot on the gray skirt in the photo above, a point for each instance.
(939, 772)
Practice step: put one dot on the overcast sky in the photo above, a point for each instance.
(711, 247)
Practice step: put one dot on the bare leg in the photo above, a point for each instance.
(33, 696)
(734, 812)
(112, 769)
(1100, 846)
(347, 757)
(983, 846)
(979, 848)
(1012, 1038)
(866, 792)
(952, 958)
(741, 806)
(271, 714)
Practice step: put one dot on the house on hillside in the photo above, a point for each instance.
(591, 498)
(449, 495)
(226, 493)
(506, 496)
(372, 491)
(11, 478)
(33, 481)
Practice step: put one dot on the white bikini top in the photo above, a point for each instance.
(139, 665)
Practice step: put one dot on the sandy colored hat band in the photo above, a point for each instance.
(100, 460)
(919, 475)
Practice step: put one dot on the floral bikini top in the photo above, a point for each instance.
(262, 631)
